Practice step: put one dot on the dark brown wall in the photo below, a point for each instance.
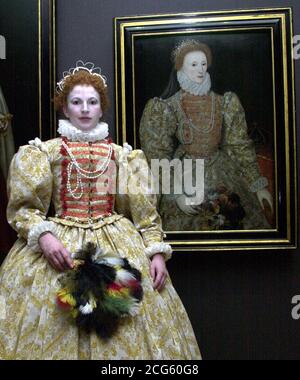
(239, 303)
(18, 72)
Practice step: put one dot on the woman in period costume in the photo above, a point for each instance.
(78, 172)
(190, 121)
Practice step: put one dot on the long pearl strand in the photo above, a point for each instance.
(203, 129)
(80, 172)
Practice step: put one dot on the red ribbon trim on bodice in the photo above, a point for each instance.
(92, 204)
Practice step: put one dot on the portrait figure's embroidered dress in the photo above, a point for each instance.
(213, 128)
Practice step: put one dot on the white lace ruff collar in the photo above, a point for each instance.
(66, 129)
(192, 87)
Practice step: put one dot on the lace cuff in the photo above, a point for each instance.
(259, 184)
(162, 247)
(35, 233)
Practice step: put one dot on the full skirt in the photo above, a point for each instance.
(33, 327)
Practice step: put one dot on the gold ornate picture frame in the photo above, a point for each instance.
(252, 57)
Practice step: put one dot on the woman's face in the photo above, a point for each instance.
(195, 66)
(83, 107)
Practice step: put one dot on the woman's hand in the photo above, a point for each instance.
(262, 195)
(158, 271)
(182, 203)
(56, 254)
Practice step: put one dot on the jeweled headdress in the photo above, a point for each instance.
(186, 46)
(80, 65)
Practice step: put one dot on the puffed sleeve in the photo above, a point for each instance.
(136, 199)
(237, 143)
(158, 134)
(29, 192)
(157, 130)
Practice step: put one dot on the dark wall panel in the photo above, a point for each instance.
(18, 72)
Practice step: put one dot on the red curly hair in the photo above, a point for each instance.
(186, 47)
(82, 77)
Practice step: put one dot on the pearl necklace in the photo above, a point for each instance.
(80, 172)
(203, 129)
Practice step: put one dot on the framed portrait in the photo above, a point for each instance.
(235, 117)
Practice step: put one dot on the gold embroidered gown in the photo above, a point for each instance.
(213, 128)
(32, 326)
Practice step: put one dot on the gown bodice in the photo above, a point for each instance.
(87, 180)
(200, 133)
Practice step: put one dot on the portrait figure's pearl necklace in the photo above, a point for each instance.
(196, 89)
(210, 126)
(80, 172)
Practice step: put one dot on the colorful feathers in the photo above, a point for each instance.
(98, 292)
